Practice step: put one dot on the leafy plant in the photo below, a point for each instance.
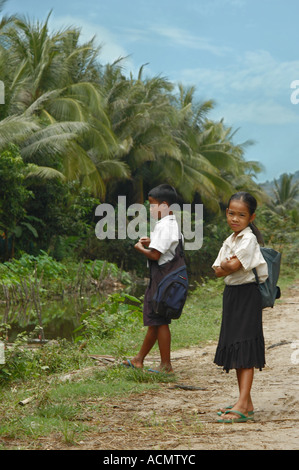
(114, 314)
(23, 363)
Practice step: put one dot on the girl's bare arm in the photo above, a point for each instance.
(228, 267)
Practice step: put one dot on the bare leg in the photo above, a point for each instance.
(244, 390)
(244, 403)
(148, 342)
(164, 341)
(154, 333)
(245, 380)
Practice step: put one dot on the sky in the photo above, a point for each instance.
(242, 54)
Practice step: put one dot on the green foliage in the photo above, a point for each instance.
(20, 276)
(88, 132)
(118, 312)
(23, 363)
(201, 319)
(49, 277)
(13, 194)
(281, 232)
(43, 265)
(200, 261)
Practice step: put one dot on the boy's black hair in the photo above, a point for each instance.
(251, 203)
(164, 193)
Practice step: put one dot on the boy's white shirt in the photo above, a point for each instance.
(165, 238)
(246, 248)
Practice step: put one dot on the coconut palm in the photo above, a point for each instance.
(208, 153)
(50, 86)
(286, 192)
(142, 117)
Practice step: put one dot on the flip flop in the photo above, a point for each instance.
(242, 418)
(219, 413)
(229, 407)
(159, 371)
(129, 364)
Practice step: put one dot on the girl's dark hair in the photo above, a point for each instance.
(251, 203)
(164, 192)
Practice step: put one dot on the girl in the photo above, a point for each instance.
(241, 341)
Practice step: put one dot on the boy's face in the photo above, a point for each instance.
(158, 209)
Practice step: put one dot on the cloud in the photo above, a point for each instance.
(181, 37)
(111, 49)
(212, 7)
(252, 88)
(261, 113)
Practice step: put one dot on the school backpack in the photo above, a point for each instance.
(269, 289)
(170, 296)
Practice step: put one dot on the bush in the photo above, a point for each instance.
(23, 363)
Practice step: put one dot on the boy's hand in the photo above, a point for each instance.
(141, 246)
(145, 241)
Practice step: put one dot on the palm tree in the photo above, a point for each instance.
(50, 86)
(209, 157)
(142, 117)
(285, 193)
(229, 158)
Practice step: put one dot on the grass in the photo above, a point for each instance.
(73, 409)
(201, 319)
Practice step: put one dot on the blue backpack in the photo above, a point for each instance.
(269, 289)
(170, 296)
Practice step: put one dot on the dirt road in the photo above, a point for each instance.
(183, 415)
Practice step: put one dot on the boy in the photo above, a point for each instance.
(163, 257)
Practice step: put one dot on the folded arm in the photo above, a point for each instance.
(227, 267)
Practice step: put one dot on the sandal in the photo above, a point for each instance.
(129, 364)
(219, 413)
(241, 419)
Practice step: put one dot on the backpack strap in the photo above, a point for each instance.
(182, 252)
(179, 253)
(256, 276)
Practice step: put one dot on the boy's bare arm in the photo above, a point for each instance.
(150, 253)
(145, 241)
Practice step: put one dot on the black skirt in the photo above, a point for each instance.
(241, 341)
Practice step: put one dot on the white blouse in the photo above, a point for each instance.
(246, 248)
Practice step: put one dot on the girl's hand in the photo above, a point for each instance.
(231, 265)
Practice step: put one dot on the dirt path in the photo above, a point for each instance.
(182, 415)
(176, 418)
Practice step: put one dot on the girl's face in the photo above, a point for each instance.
(238, 216)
